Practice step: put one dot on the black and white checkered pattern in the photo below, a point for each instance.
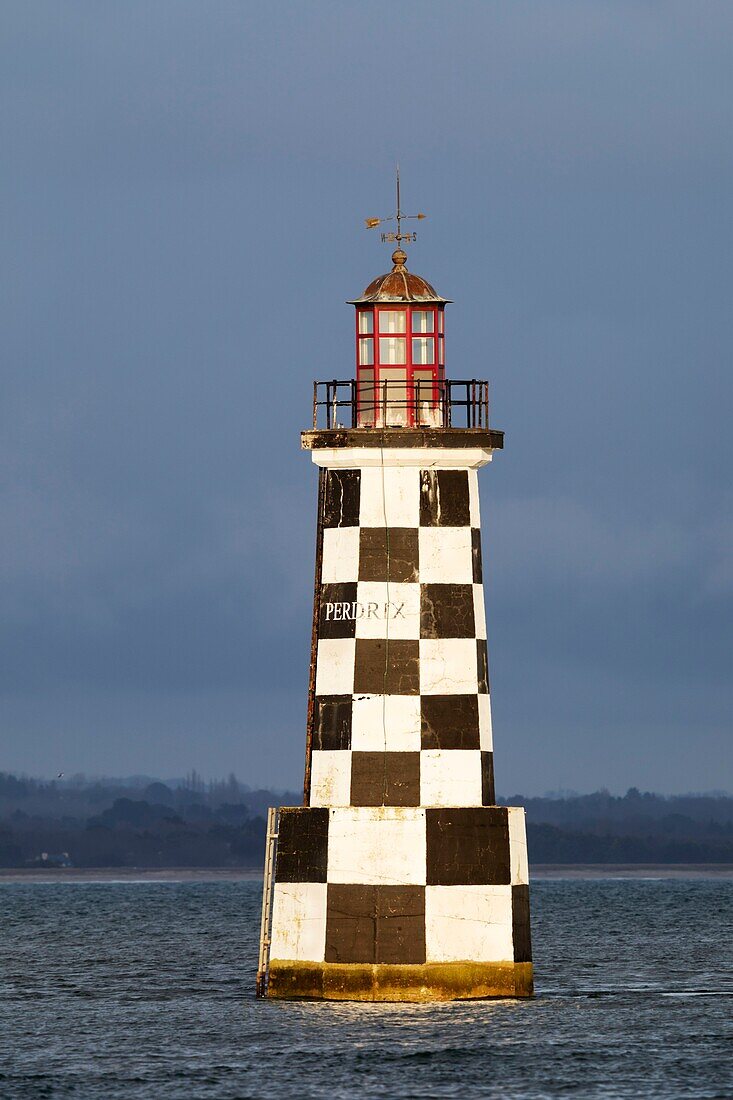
(401, 885)
(401, 713)
(401, 856)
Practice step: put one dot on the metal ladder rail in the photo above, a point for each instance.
(263, 964)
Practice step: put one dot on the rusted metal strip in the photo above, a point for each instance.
(314, 636)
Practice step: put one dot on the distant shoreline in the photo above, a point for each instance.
(242, 874)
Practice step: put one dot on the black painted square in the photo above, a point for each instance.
(375, 924)
(338, 610)
(332, 722)
(488, 796)
(521, 932)
(302, 845)
(444, 498)
(478, 571)
(482, 666)
(387, 667)
(388, 554)
(400, 924)
(342, 498)
(468, 846)
(449, 722)
(446, 611)
(351, 923)
(385, 779)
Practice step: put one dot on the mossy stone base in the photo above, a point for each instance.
(454, 981)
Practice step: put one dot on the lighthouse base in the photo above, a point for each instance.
(399, 903)
(453, 981)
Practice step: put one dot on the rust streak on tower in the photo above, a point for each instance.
(399, 879)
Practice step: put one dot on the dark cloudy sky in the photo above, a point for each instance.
(182, 192)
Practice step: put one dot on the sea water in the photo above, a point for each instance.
(147, 990)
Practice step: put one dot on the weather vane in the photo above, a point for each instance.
(399, 217)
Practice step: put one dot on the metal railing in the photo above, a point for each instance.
(400, 403)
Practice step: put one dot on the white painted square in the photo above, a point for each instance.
(387, 609)
(390, 496)
(473, 499)
(385, 723)
(335, 666)
(445, 555)
(377, 845)
(486, 737)
(518, 846)
(330, 777)
(468, 923)
(340, 555)
(299, 921)
(479, 611)
(450, 777)
(448, 666)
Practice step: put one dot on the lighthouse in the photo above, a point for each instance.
(399, 878)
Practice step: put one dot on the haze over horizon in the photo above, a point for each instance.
(142, 779)
(184, 195)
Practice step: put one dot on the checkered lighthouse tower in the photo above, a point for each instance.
(399, 879)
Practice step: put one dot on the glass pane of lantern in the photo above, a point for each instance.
(423, 350)
(366, 352)
(441, 350)
(422, 320)
(366, 399)
(440, 320)
(391, 349)
(427, 409)
(392, 390)
(366, 320)
(392, 320)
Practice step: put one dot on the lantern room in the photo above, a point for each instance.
(400, 350)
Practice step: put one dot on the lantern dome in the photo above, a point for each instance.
(399, 285)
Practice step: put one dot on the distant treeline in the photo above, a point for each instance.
(634, 828)
(140, 822)
(136, 822)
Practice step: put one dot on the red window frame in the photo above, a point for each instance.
(436, 367)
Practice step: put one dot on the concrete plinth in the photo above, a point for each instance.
(455, 981)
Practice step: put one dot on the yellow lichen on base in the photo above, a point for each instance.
(452, 981)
